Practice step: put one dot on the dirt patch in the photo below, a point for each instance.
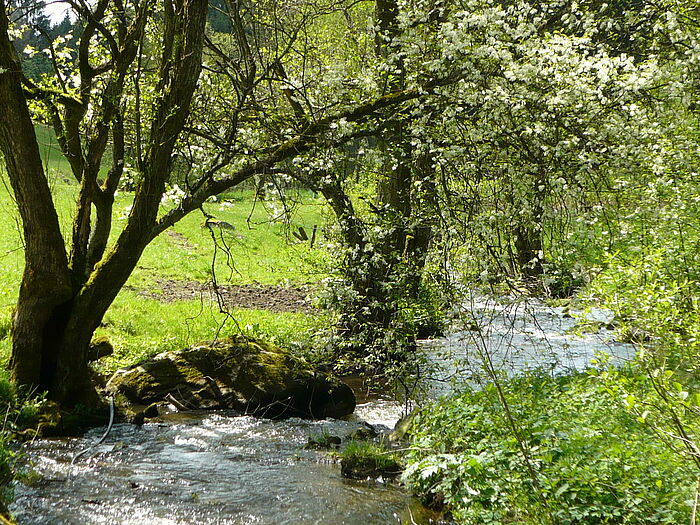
(179, 240)
(253, 296)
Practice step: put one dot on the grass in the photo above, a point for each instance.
(261, 247)
(57, 166)
(139, 327)
(255, 247)
(362, 459)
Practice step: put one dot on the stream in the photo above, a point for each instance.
(221, 468)
(510, 336)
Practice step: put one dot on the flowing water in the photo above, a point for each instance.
(206, 468)
(220, 468)
(509, 336)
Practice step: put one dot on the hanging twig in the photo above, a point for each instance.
(104, 436)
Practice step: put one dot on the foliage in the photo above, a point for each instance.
(652, 285)
(593, 462)
(19, 411)
(478, 140)
(546, 124)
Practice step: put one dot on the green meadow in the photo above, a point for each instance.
(250, 243)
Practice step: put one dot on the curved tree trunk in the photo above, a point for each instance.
(46, 282)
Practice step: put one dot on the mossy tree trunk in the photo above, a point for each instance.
(389, 277)
(46, 283)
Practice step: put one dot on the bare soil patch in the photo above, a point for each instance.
(179, 240)
(253, 296)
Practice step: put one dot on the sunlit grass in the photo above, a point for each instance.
(139, 327)
(259, 242)
(254, 246)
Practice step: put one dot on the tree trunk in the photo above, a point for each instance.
(528, 247)
(46, 282)
(527, 237)
(62, 300)
(386, 276)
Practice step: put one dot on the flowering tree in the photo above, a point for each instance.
(548, 107)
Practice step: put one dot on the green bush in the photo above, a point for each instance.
(592, 460)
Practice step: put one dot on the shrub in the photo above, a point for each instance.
(593, 461)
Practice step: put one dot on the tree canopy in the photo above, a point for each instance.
(492, 132)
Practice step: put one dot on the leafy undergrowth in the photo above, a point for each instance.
(590, 460)
(18, 411)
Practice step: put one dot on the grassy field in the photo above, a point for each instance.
(260, 250)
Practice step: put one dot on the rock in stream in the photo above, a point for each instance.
(239, 373)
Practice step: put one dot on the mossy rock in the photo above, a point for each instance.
(240, 373)
(323, 442)
(100, 347)
(49, 420)
(364, 433)
(369, 468)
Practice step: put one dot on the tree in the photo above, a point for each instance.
(65, 292)
(385, 233)
(538, 127)
(63, 296)
(385, 249)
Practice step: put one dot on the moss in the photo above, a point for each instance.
(100, 347)
(48, 419)
(323, 441)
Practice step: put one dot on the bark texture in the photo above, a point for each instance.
(46, 281)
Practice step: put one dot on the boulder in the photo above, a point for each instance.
(240, 373)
